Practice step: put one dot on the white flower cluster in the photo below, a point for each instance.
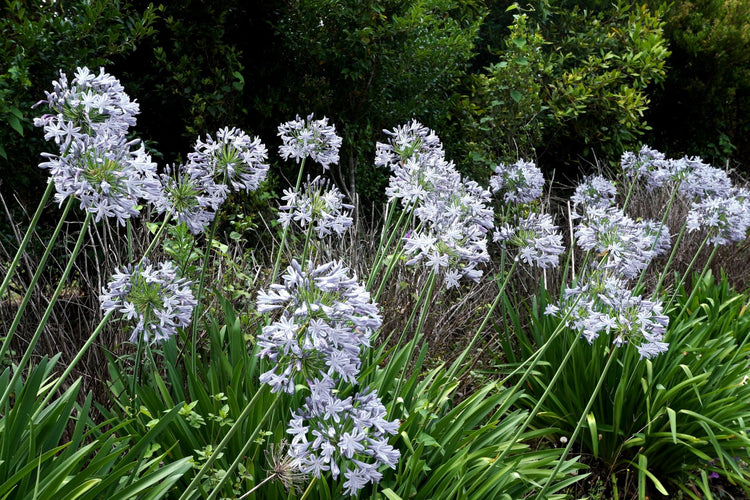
(318, 204)
(315, 139)
(155, 297)
(452, 212)
(88, 120)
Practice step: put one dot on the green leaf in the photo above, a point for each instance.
(15, 124)
(390, 494)
(516, 95)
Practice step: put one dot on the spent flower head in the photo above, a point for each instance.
(521, 182)
(315, 139)
(154, 297)
(326, 317)
(349, 435)
(319, 204)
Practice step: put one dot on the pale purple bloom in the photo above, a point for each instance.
(521, 182)
(605, 306)
(536, 239)
(594, 191)
(648, 165)
(702, 181)
(315, 139)
(231, 161)
(329, 433)
(405, 142)
(90, 105)
(326, 317)
(187, 199)
(725, 219)
(155, 297)
(619, 242)
(318, 204)
(452, 213)
(110, 178)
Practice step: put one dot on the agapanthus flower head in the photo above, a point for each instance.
(187, 199)
(725, 219)
(533, 239)
(452, 235)
(648, 165)
(619, 243)
(231, 161)
(703, 181)
(605, 306)
(594, 191)
(90, 105)
(325, 318)
(521, 182)
(110, 177)
(406, 142)
(153, 296)
(349, 435)
(318, 204)
(311, 138)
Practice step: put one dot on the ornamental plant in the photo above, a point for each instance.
(303, 392)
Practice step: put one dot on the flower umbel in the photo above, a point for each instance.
(331, 434)
(108, 176)
(319, 204)
(326, 317)
(310, 138)
(155, 298)
(232, 160)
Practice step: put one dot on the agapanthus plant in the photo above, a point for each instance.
(533, 239)
(311, 138)
(90, 105)
(109, 176)
(521, 182)
(232, 161)
(326, 317)
(154, 297)
(350, 434)
(319, 205)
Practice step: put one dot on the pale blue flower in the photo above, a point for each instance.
(315, 139)
(232, 161)
(318, 204)
(521, 182)
(329, 433)
(155, 297)
(326, 317)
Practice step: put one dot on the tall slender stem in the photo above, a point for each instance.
(48, 311)
(199, 298)
(32, 284)
(27, 237)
